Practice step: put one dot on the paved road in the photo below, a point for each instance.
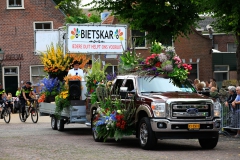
(38, 141)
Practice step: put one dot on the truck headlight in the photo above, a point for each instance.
(217, 109)
(158, 109)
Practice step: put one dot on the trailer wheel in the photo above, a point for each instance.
(60, 124)
(53, 123)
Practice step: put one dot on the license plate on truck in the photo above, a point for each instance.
(193, 126)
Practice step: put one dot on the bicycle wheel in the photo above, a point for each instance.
(24, 118)
(6, 115)
(34, 115)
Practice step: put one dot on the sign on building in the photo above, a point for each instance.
(96, 39)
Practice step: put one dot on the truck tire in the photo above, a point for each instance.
(94, 133)
(146, 136)
(60, 124)
(208, 143)
(53, 123)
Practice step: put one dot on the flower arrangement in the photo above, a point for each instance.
(113, 118)
(54, 60)
(50, 88)
(57, 64)
(157, 63)
(95, 76)
(62, 99)
(129, 61)
(83, 58)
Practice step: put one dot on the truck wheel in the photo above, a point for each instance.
(60, 124)
(208, 143)
(146, 136)
(53, 123)
(94, 132)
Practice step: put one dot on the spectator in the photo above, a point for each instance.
(236, 117)
(203, 84)
(214, 93)
(199, 87)
(18, 92)
(195, 82)
(213, 83)
(207, 84)
(228, 103)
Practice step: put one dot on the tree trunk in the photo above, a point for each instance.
(238, 57)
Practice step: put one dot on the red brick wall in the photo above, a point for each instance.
(194, 47)
(17, 31)
(222, 40)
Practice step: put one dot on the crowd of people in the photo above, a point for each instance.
(228, 97)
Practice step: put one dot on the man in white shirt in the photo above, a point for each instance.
(76, 70)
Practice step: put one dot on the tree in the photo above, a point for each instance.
(227, 15)
(74, 13)
(160, 18)
(69, 7)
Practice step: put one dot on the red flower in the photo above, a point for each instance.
(122, 127)
(158, 64)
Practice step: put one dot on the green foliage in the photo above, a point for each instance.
(69, 7)
(114, 118)
(160, 19)
(95, 76)
(129, 60)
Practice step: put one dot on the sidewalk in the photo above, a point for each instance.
(15, 119)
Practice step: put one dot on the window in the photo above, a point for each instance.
(15, 4)
(37, 74)
(221, 73)
(138, 39)
(10, 71)
(111, 69)
(231, 47)
(43, 25)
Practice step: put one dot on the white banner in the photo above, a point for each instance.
(96, 39)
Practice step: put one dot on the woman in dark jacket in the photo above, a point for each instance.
(228, 103)
(232, 97)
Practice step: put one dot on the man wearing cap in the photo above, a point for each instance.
(26, 91)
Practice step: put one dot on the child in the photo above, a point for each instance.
(9, 101)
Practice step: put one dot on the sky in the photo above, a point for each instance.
(85, 2)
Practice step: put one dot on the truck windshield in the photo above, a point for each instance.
(160, 84)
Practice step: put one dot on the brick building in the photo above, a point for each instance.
(18, 20)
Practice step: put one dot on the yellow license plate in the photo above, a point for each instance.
(193, 126)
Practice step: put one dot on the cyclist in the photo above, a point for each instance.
(25, 95)
(2, 94)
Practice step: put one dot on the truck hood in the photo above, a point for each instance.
(167, 95)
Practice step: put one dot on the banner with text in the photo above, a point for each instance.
(103, 39)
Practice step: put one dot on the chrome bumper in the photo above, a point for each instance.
(154, 124)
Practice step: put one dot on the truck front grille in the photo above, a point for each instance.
(190, 111)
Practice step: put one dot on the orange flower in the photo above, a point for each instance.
(41, 98)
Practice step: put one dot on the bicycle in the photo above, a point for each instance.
(30, 108)
(5, 113)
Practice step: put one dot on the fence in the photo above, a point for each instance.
(230, 118)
